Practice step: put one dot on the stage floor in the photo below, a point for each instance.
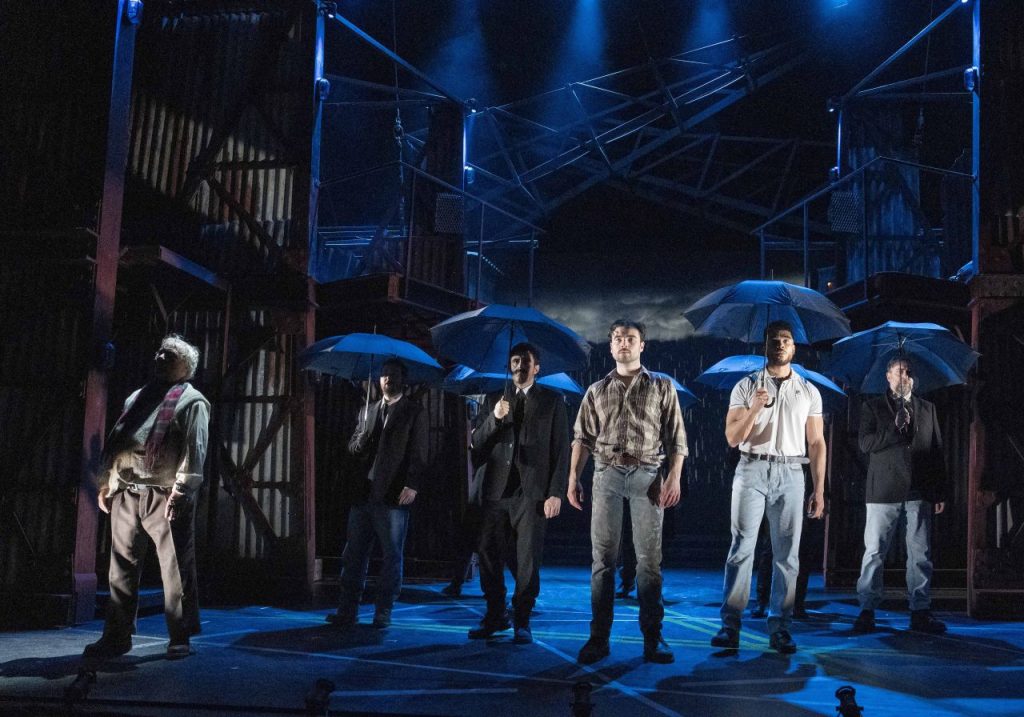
(263, 660)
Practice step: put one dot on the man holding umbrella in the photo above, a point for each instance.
(770, 421)
(906, 475)
(522, 440)
(391, 440)
(627, 421)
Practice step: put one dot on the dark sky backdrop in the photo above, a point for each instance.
(606, 253)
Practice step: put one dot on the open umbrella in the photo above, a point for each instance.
(481, 339)
(938, 357)
(743, 310)
(686, 397)
(359, 356)
(466, 382)
(727, 373)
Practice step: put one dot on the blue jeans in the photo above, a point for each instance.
(879, 528)
(641, 485)
(761, 488)
(389, 525)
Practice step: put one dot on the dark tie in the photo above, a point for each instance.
(518, 409)
(902, 415)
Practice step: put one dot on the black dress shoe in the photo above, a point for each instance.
(656, 650)
(781, 641)
(924, 621)
(452, 590)
(760, 611)
(382, 618)
(864, 623)
(596, 648)
(343, 617)
(179, 650)
(727, 637)
(488, 627)
(523, 635)
(107, 648)
(623, 594)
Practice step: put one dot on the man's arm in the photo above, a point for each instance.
(580, 456)
(673, 437)
(559, 458)
(357, 443)
(190, 471)
(418, 456)
(816, 451)
(874, 435)
(739, 421)
(487, 424)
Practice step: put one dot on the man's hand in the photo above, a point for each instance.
(103, 499)
(552, 507)
(670, 492)
(175, 506)
(760, 400)
(501, 409)
(939, 507)
(575, 494)
(816, 506)
(407, 496)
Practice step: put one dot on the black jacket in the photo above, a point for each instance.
(400, 457)
(902, 467)
(543, 454)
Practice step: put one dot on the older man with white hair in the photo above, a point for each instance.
(151, 472)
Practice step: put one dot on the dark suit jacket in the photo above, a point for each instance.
(543, 454)
(400, 458)
(902, 467)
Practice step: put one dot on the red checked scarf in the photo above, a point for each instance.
(164, 416)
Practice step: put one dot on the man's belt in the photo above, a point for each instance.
(798, 460)
(623, 459)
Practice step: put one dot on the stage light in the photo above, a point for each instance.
(469, 173)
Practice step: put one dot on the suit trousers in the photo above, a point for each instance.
(133, 516)
(512, 526)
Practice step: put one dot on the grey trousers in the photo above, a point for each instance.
(132, 517)
(879, 528)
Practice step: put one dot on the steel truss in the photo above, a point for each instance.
(635, 129)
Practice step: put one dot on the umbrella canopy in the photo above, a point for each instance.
(466, 382)
(686, 397)
(357, 356)
(937, 356)
(481, 339)
(727, 373)
(743, 310)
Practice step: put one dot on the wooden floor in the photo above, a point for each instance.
(263, 660)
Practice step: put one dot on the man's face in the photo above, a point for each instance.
(899, 377)
(169, 366)
(780, 347)
(391, 382)
(626, 345)
(523, 368)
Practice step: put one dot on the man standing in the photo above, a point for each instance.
(627, 421)
(770, 420)
(523, 441)
(906, 477)
(391, 439)
(152, 469)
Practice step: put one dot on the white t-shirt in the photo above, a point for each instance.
(780, 430)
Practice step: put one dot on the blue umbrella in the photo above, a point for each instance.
(466, 382)
(729, 371)
(358, 356)
(743, 310)
(481, 339)
(937, 356)
(686, 397)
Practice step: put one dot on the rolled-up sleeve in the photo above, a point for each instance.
(587, 425)
(673, 432)
(197, 431)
